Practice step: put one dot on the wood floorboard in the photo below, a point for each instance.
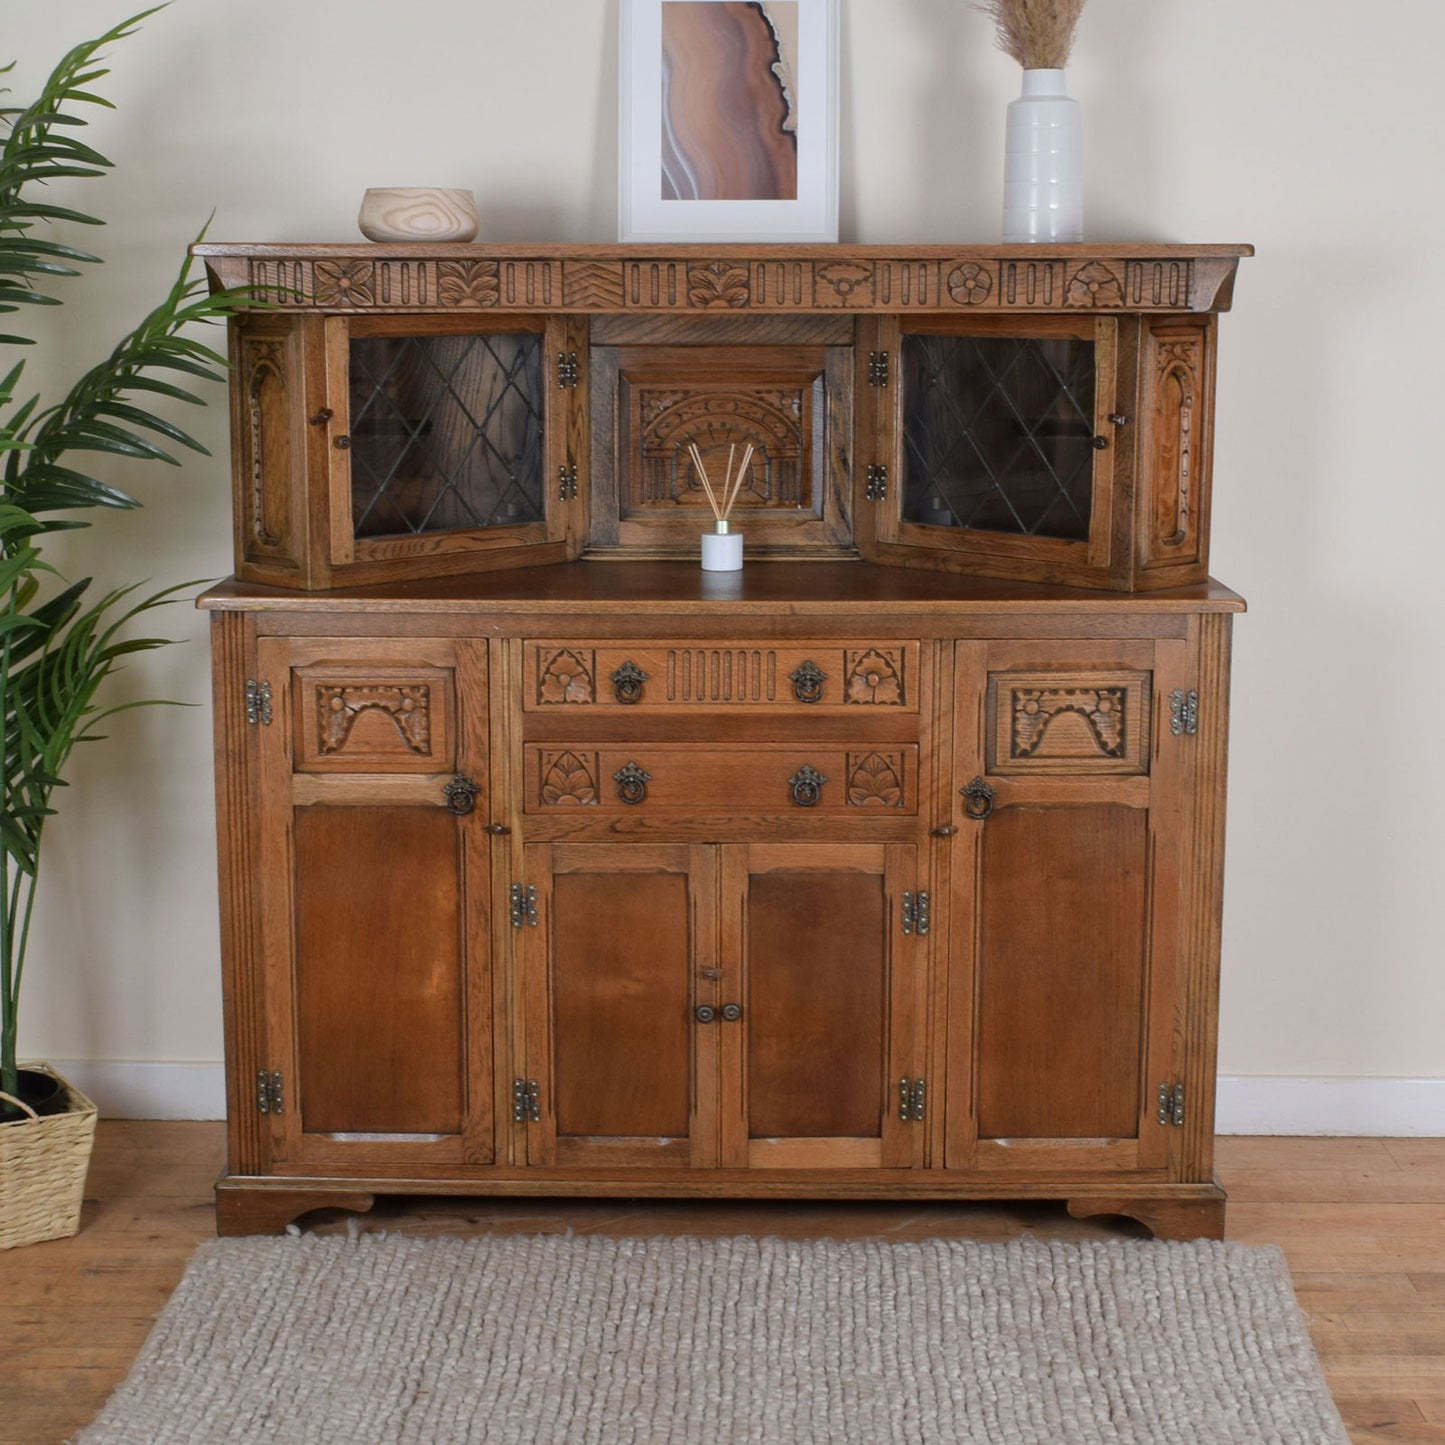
(1361, 1222)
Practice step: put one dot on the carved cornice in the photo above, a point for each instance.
(757, 280)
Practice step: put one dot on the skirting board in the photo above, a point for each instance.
(1250, 1104)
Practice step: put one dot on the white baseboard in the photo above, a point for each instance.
(1247, 1104)
(124, 1089)
(1393, 1108)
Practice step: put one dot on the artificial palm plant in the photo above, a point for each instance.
(58, 642)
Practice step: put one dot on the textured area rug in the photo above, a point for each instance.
(383, 1340)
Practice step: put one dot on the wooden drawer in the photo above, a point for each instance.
(740, 676)
(698, 779)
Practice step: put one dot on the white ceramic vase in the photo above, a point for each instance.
(722, 549)
(1043, 167)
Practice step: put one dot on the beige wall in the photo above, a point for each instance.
(1279, 122)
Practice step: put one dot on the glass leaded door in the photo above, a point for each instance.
(450, 440)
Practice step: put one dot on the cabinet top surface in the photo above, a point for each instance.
(662, 590)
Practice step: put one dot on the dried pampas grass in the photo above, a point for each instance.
(1039, 34)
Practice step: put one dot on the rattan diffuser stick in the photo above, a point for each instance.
(731, 484)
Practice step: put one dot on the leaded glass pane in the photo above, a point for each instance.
(446, 432)
(999, 433)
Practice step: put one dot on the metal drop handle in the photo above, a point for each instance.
(977, 800)
(627, 683)
(808, 680)
(461, 795)
(807, 785)
(632, 781)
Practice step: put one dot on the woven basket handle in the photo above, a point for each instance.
(19, 1104)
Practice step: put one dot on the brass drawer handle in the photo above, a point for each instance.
(631, 783)
(627, 682)
(807, 785)
(977, 800)
(808, 681)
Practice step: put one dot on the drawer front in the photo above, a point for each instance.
(696, 779)
(742, 676)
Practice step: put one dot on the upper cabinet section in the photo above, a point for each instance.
(1035, 413)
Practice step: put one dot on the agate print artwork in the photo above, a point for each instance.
(727, 122)
(729, 101)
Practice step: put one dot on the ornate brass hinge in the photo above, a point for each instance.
(258, 702)
(915, 913)
(877, 488)
(1171, 1105)
(526, 1101)
(877, 368)
(270, 1092)
(912, 1100)
(567, 482)
(524, 906)
(1183, 713)
(567, 370)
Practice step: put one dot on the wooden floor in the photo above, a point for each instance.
(1362, 1222)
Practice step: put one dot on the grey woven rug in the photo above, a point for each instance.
(384, 1340)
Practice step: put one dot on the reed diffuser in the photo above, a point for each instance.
(1043, 183)
(722, 548)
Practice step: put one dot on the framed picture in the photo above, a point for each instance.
(729, 120)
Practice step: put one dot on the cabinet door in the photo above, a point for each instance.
(1064, 947)
(827, 987)
(375, 877)
(995, 447)
(618, 952)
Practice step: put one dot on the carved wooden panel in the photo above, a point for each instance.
(373, 719)
(799, 677)
(266, 467)
(736, 278)
(1068, 722)
(1177, 373)
(689, 780)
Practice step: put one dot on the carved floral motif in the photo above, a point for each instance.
(468, 283)
(874, 678)
(969, 284)
(874, 779)
(345, 283)
(567, 778)
(409, 708)
(267, 368)
(717, 283)
(564, 677)
(1035, 708)
(1095, 285)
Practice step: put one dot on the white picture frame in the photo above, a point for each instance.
(645, 215)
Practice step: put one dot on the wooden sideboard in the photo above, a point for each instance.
(888, 867)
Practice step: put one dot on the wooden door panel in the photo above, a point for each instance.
(830, 990)
(614, 971)
(620, 1004)
(1061, 973)
(817, 1002)
(379, 982)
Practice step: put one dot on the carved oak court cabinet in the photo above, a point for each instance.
(889, 867)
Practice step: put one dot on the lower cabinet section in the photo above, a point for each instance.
(451, 969)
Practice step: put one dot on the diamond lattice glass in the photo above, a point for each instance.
(446, 432)
(999, 433)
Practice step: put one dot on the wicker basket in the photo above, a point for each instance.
(42, 1169)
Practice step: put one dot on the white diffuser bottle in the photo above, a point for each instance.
(722, 549)
(1043, 173)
